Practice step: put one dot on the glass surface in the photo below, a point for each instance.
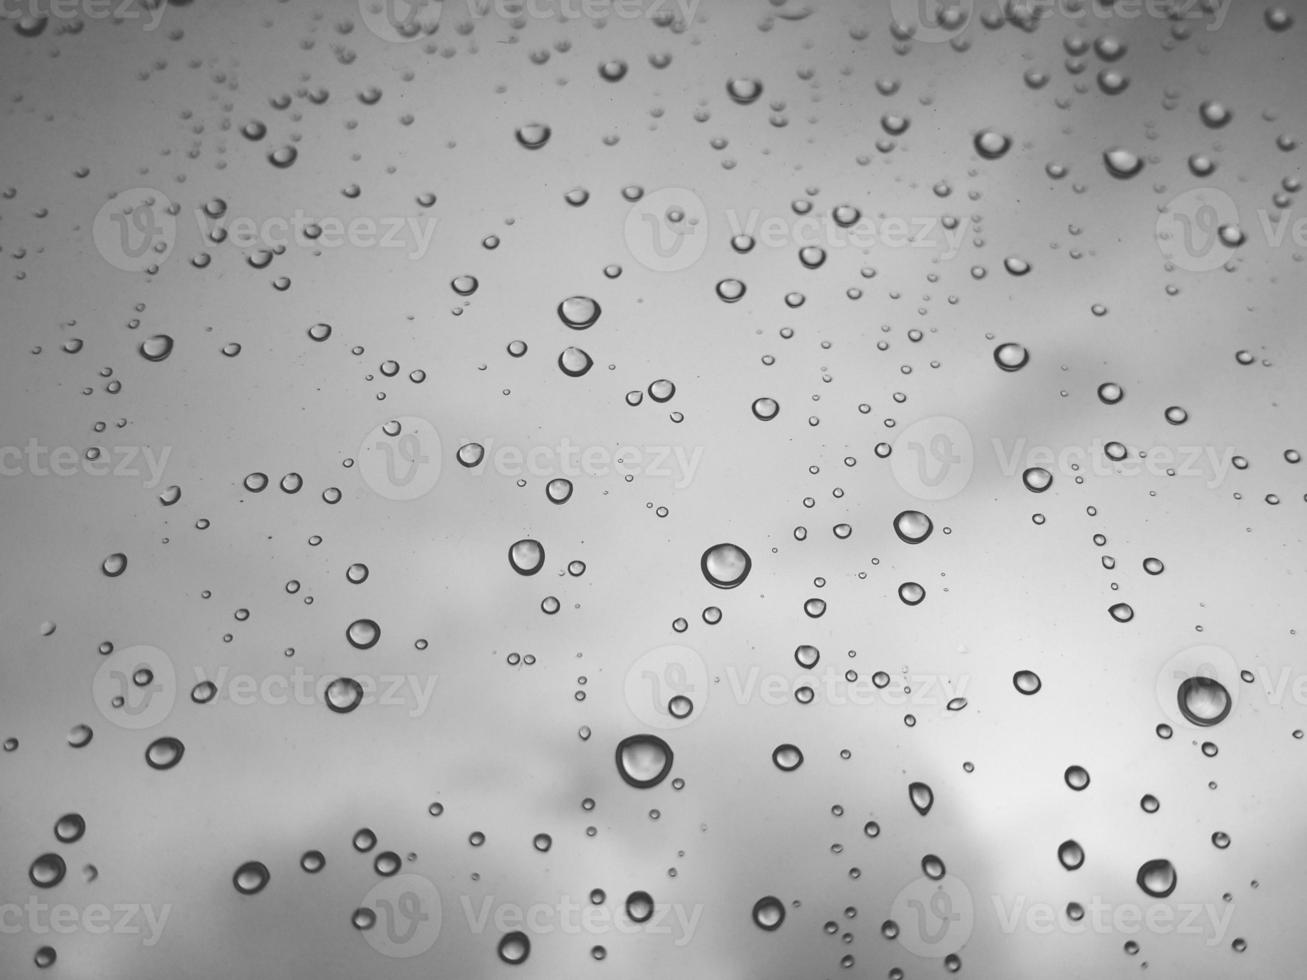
(652, 488)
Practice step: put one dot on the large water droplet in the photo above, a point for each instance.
(639, 906)
(1121, 162)
(744, 91)
(47, 871)
(768, 913)
(363, 634)
(787, 757)
(156, 348)
(1157, 877)
(526, 556)
(164, 753)
(251, 877)
(912, 526)
(1070, 855)
(1027, 682)
(643, 760)
(343, 695)
(514, 948)
(991, 144)
(725, 565)
(1011, 357)
(533, 135)
(578, 312)
(1203, 701)
(921, 796)
(574, 362)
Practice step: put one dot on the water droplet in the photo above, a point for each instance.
(470, 454)
(1203, 701)
(1027, 682)
(578, 312)
(921, 796)
(744, 91)
(768, 913)
(1214, 114)
(1037, 479)
(526, 556)
(643, 761)
(69, 828)
(1109, 393)
(787, 757)
(574, 362)
(343, 695)
(639, 906)
(613, 71)
(156, 348)
(533, 136)
(514, 948)
(730, 290)
(1077, 777)
(1011, 357)
(913, 527)
(991, 144)
(47, 871)
(1157, 878)
(363, 634)
(164, 753)
(725, 565)
(251, 877)
(1122, 163)
(1071, 855)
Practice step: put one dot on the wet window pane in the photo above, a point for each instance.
(642, 488)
